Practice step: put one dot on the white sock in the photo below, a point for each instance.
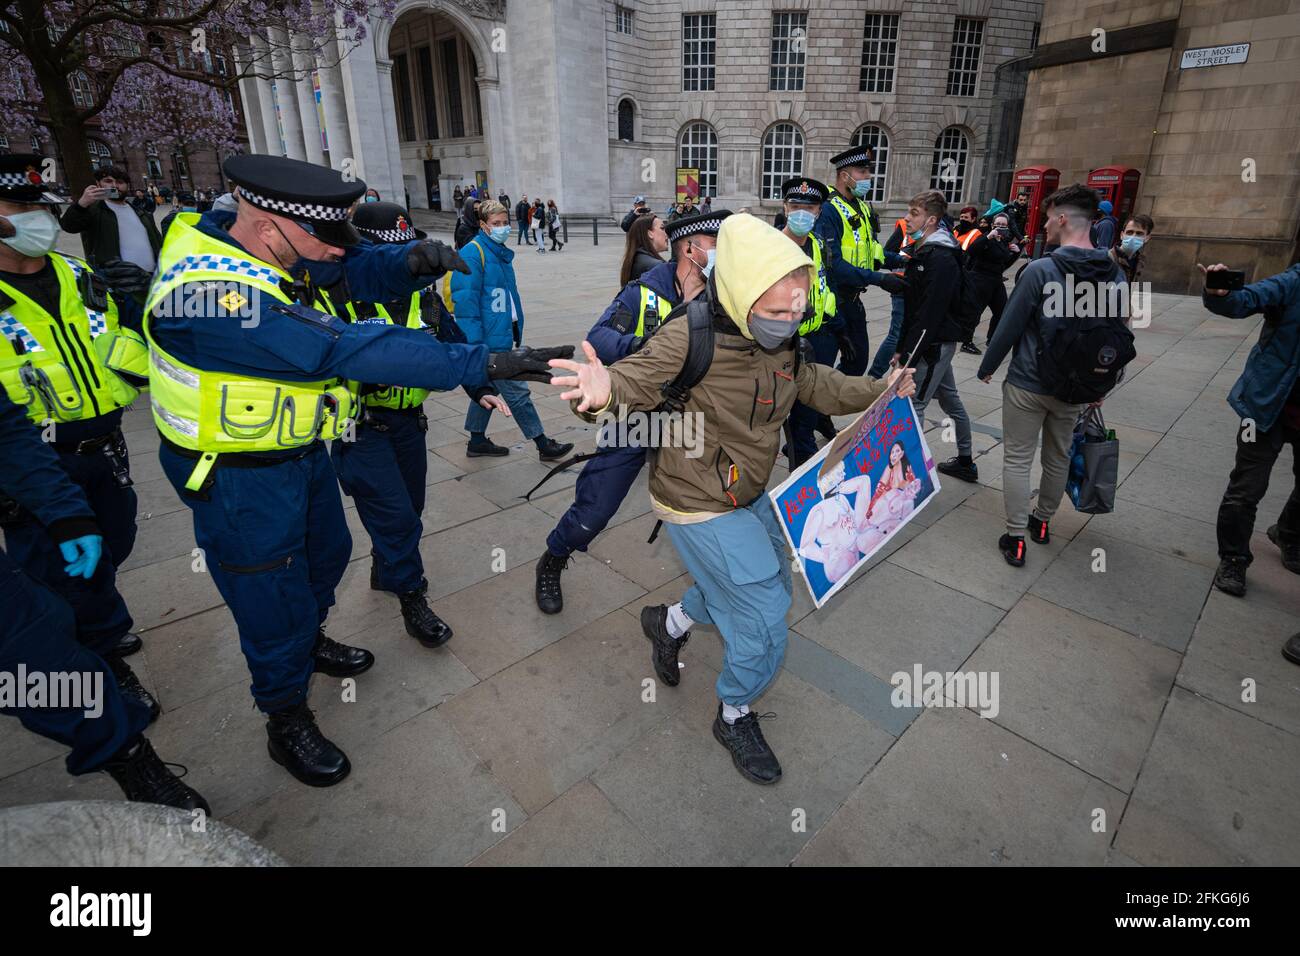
(732, 714)
(679, 622)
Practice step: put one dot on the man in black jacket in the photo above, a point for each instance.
(986, 260)
(110, 227)
(522, 209)
(931, 307)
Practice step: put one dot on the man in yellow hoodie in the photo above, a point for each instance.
(715, 505)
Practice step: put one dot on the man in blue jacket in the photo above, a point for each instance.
(489, 312)
(635, 314)
(1267, 397)
(38, 632)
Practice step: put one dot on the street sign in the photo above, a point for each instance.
(1215, 55)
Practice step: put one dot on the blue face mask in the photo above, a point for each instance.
(1131, 244)
(372, 199)
(917, 235)
(800, 222)
(862, 188)
(500, 233)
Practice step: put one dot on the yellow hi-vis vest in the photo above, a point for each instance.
(222, 412)
(392, 396)
(823, 299)
(63, 368)
(653, 305)
(858, 247)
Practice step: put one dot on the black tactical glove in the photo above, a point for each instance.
(848, 354)
(526, 364)
(432, 258)
(125, 277)
(894, 285)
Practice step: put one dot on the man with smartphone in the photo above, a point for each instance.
(109, 226)
(1267, 397)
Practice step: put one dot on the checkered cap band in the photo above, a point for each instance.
(389, 235)
(854, 159)
(17, 179)
(710, 226)
(297, 210)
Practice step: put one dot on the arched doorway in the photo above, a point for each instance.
(436, 75)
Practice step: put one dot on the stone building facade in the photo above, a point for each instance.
(592, 102)
(1218, 145)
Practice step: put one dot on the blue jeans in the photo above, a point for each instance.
(742, 587)
(520, 401)
(890, 345)
(523, 232)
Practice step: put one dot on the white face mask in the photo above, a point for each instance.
(36, 233)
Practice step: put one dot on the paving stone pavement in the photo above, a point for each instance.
(1122, 735)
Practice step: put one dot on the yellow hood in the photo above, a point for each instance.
(751, 258)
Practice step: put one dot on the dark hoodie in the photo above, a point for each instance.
(467, 224)
(1025, 328)
(930, 304)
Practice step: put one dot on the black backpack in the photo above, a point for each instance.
(1084, 360)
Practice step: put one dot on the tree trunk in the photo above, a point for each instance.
(66, 127)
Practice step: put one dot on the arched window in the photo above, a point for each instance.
(948, 167)
(876, 138)
(699, 150)
(100, 155)
(626, 121)
(782, 158)
(82, 92)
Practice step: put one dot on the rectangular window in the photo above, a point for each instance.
(402, 94)
(451, 77)
(699, 47)
(964, 62)
(623, 21)
(789, 50)
(1033, 40)
(879, 53)
(424, 56)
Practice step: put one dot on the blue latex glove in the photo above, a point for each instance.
(82, 555)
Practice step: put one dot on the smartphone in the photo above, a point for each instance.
(114, 193)
(1229, 279)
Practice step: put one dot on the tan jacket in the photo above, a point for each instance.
(743, 401)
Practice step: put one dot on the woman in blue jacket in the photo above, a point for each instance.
(489, 312)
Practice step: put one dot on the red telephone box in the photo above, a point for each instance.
(1037, 183)
(1119, 184)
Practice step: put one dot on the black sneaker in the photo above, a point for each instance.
(1013, 549)
(1290, 552)
(144, 778)
(421, 623)
(970, 348)
(374, 576)
(547, 592)
(485, 449)
(955, 469)
(1231, 576)
(552, 450)
(654, 624)
(295, 742)
(749, 751)
(131, 686)
(1038, 532)
(339, 660)
(1291, 649)
(129, 644)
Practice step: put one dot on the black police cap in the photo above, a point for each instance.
(700, 224)
(21, 181)
(801, 189)
(385, 222)
(316, 197)
(853, 156)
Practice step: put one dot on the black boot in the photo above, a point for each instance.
(550, 597)
(296, 744)
(1290, 552)
(485, 449)
(131, 686)
(421, 623)
(954, 468)
(749, 751)
(339, 660)
(654, 624)
(129, 644)
(970, 348)
(1291, 649)
(1231, 576)
(144, 778)
(374, 576)
(551, 450)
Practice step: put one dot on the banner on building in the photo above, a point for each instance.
(320, 111)
(846, 502)
(688, 183)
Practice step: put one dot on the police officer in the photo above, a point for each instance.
(71, 356)
(38, 630)
(848, 226)
(803, 199)
(635, 314)
(248, 374)
(385, 467)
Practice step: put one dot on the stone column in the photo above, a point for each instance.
(248, 95)
(302, 69)
(334, 103)
(501, 166)
(261, 64)
(286, 93)
(384, 70)
(369, 142)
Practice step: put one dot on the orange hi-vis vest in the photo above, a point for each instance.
(901, 226)
(967, 239)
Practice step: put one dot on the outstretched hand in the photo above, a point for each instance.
(590, 382)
